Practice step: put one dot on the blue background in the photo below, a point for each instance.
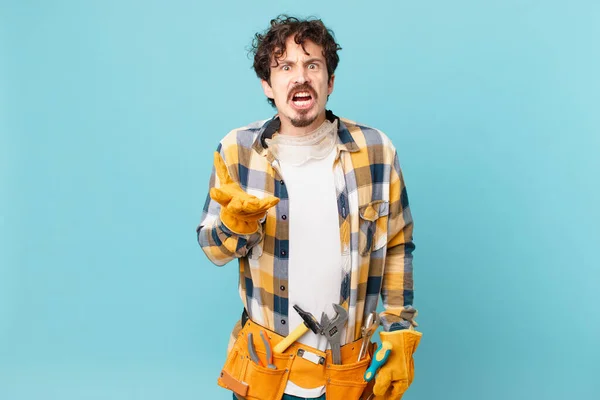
(110, 111)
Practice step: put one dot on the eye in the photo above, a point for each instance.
(312, 66)
(285, 67)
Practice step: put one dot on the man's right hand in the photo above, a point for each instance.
(240, 211)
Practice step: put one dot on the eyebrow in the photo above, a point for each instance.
(309, 61)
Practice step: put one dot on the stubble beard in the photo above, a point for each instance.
(303, 120)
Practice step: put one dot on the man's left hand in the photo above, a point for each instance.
(396, 375)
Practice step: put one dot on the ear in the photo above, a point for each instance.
(330, 85)
(267, 89)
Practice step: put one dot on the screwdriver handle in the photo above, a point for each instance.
(380, 357)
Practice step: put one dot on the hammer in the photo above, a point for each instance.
(309, 322)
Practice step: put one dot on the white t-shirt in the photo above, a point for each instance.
(314, 272)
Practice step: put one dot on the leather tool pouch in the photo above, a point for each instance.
(246, 378)
(345, 381)
(253, 382)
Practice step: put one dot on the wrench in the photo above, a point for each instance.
(332, 330)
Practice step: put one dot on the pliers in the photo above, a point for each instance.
(268, 350)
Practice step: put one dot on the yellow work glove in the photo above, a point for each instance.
(240, 211)
(396, 375)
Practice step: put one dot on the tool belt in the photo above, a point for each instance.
(304, 365)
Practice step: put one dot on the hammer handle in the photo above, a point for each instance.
(291, 338)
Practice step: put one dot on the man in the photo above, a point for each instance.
(314, 207)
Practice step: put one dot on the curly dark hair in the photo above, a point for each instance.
(269, 46)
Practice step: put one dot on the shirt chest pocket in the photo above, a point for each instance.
(373, 225)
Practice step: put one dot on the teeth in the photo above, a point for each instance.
(302, 103)
(302, 94)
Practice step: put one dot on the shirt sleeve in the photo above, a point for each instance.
(219, 243)
(397, 286)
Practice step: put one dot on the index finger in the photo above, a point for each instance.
(221, 169)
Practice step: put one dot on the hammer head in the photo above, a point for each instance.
(309, 320)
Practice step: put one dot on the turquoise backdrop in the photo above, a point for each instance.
(109, 114)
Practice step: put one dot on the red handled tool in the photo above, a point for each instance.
(268, 350)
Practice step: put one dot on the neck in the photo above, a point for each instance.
(288, 129)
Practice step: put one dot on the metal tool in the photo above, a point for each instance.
(367, 331)
(254, 356)
(379, 358)
(332, 330)
(252, 351)
(309, 322)
(268, 349)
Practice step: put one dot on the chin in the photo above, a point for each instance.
(312, 114)
(302, 123)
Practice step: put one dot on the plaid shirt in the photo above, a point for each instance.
(374, 218)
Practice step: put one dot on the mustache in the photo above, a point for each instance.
(303, 87)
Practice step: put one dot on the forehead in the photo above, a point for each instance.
(295, 51)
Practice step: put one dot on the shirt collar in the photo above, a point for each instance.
(345, 140)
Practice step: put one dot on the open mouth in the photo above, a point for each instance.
(302, 100)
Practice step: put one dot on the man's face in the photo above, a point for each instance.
(299, 85)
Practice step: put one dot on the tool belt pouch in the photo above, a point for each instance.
(254, 382)
(346, 381)
(246, 378)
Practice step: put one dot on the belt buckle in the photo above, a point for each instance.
(310, 356)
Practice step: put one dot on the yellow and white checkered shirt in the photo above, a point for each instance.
(375, 222)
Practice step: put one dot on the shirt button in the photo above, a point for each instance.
(284, 217)
(283, 253)
(282, 287)
(283, 322)
(281, 181)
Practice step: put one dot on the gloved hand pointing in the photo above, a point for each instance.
(240, 211)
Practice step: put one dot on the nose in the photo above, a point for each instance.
(301, 76)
